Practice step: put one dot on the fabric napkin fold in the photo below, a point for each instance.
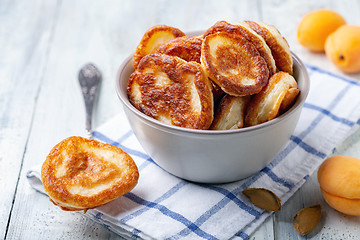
(163, 206)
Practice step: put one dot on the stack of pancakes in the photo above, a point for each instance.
(231, 76)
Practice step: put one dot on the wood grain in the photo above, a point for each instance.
(44, 44)
(25, 42)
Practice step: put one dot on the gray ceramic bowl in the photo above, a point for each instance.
(210, 156)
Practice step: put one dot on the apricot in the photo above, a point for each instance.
(316, 26)
(339, 179)
(342, 47)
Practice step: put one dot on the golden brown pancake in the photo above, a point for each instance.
(79, 174)
(217, 91)
(230, 113)
(187, 48)
(233, 63)
(172, 91)
(152, 39)
(278, 96)
(278, 45)
(250, 35)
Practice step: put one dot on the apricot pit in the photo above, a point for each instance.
(307, 219)
(263, 198)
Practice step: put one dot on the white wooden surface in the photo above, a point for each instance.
(43, 43)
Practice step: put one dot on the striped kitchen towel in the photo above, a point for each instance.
(162, 206)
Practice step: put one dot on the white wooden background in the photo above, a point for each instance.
(43, 43)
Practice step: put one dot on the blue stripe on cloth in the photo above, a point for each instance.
(135, 233)
(348, 80)
(174, 215)
(213, 210)
(134, 152)
(275, 178)
(125, 136)
(328, 113)
(232, 197)
(331, 106)
(203, 218)
(307, 147)
(98, 216)
(107, 226)
(145, 164)
(168, 194)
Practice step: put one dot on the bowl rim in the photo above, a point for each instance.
(304, 91)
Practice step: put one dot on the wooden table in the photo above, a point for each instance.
(42, 46)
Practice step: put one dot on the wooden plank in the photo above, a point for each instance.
(265, 230)
(191, 15)
(24, 41)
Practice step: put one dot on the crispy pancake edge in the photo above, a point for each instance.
(283, 58)
(56, 188)
(250, 35)
(139, 52)
(224, 106)
(252, 115)
(172, 64)
(187, 48)
(222, 81)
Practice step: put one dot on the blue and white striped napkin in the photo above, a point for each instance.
(162, 206)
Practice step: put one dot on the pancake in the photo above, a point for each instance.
(217, 92)
(172, 91)
(152, 39)
(277, 43)
(233, 63)
(79, 174)
(250, 35)
(230, 113)
(278, 96)
(187, 48)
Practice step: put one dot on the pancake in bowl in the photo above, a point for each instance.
(230, 113)
(250, 35)
(80, 174)
(172, 91)
(277, 43)
(187, 48)
(277, 97)
(152, 39)
(233, 63)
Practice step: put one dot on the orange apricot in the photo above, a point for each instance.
(316, 26)
(342, 47)
(339, 179)
(344, 205)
